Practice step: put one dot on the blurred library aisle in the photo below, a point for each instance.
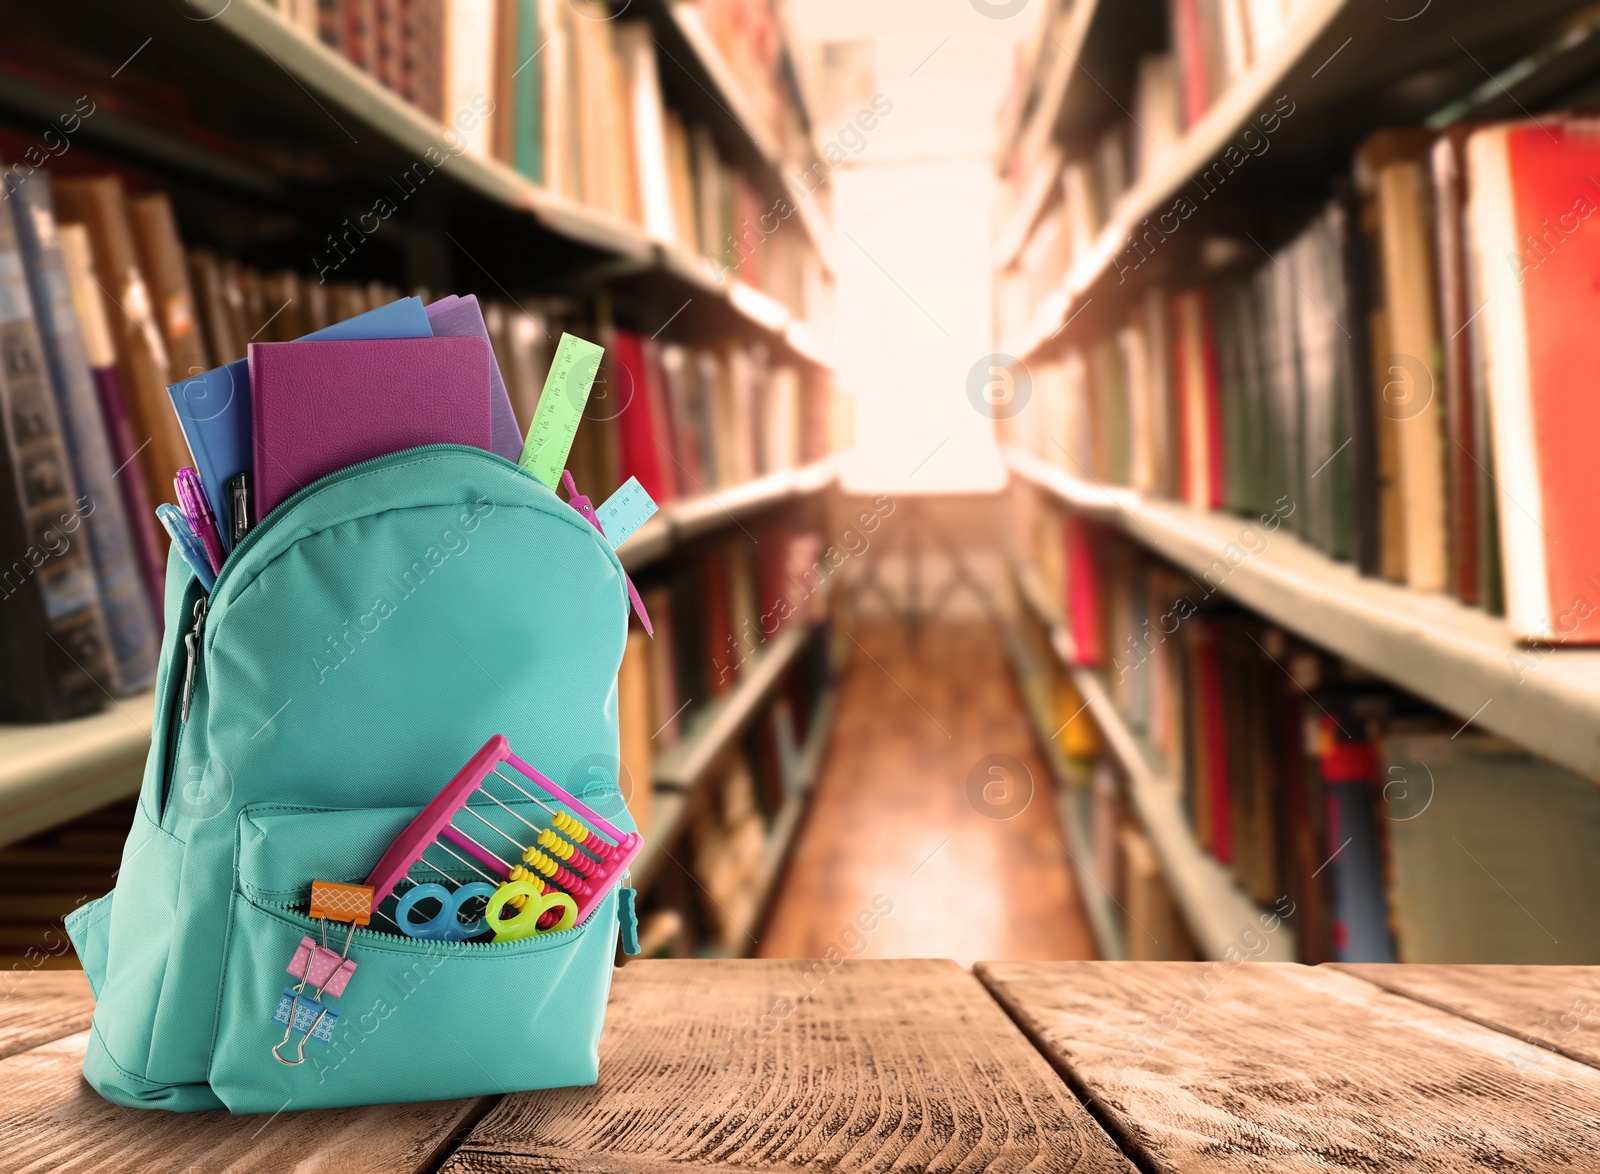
(892, 815)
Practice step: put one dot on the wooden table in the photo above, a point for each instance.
(920, 1065)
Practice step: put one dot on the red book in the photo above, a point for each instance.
(637, 426)
(1537, 249)
(1189, 46)
(662, 439)
(722, 650)
(1083, 592)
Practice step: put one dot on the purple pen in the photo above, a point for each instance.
(197, 511)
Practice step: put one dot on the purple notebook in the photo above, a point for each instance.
(318, 407)
(457, 317)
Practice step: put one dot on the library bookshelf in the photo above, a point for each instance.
(1347, 69)
(1300, 65)
(1214, 908)
(247, 118)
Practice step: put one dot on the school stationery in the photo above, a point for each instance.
(186, 544)
(555, 421)
(214, 409)
(197, 512)
(319, 407)
(621, 514)
(556, 873)
(317, 965)
(240, 517)
(461, 317)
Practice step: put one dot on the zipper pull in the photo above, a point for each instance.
(627, 915)
(191, 649)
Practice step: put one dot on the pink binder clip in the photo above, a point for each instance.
(320, 967)
(576, 859)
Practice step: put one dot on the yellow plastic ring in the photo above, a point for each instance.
(526, 922)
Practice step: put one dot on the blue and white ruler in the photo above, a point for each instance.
(624, 512)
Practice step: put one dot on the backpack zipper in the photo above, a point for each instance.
(284, 507)
(387, 940)
(193, 640)
(192, 649)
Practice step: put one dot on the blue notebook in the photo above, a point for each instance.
(214, 408)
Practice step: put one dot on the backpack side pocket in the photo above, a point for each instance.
(129, 948)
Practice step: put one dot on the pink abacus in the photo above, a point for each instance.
(582, 854)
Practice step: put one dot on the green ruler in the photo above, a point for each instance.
(555, 423)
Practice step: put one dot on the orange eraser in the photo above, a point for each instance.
(339, 902)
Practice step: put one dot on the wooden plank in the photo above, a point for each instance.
(1279, 1067)
(1556, 1008)
(710, 1065)
(51, 1120)
(37, 1006)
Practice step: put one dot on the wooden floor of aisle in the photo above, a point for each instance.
(971, 872)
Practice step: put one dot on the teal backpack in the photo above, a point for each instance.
(359, 646)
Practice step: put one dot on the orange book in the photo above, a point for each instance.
(143, 365)
(1199, 401)
(1536, 246)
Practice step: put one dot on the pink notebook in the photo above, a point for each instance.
(318, 407)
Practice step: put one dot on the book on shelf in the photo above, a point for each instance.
(1153, 929)
(570, 95)
(109, 303)
(1395, 273)
(148, 539)
(165, 269)
(1532, 197)
(1346, 767)
(58, 652)
(727, 845)
(143, 367)
(634, 715)
(1400, 384)
(1491, 850)
(1317, 787)
(131, 618)
(1392, 174)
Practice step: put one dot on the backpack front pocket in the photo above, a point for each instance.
(417, 1020)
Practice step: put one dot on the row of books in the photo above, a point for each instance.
(1394, 832)
(111, 308)
(713, 613)
(1121, 862)
(685, 420)
(1214, 42)
(571, 97)
(1409, 377)
(715, 610)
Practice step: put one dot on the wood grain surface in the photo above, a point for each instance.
(51, 1120)
(37, 1006)
(1554, 1008)
(1267, 1067)
(888, 1065)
